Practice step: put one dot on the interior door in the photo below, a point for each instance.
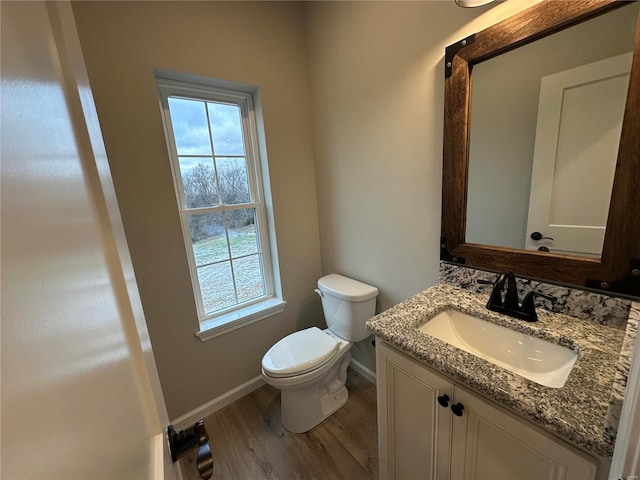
(80, 394)
(577, 135)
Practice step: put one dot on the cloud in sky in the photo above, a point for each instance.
(192, 133)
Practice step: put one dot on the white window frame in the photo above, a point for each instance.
(236, 316)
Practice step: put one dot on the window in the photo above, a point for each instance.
(213, 145)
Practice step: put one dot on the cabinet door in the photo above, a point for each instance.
(414, 430)
(489, 443)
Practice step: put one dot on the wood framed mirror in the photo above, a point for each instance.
(617, 269)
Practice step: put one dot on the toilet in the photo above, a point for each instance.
(310, 366)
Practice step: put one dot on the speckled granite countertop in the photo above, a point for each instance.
(577, 412)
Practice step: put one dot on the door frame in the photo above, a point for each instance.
(91, 144)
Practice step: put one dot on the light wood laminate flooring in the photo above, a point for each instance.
(249, 442)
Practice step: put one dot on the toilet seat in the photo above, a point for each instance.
(300, 352)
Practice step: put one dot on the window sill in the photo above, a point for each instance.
(215, 327)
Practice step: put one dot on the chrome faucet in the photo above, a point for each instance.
(511, 305)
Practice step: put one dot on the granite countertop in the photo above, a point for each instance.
(579, 412)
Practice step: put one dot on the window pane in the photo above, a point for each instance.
(248, 272)
(234, 181)
(216, 172)
(216, 286)
(226, 129)
(190, 130)
(242, 232)
(208, 237)
(199, 182)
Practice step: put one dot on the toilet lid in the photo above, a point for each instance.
(299, 353)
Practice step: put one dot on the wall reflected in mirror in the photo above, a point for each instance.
(544, 131)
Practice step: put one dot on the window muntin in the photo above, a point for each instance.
(213, 147)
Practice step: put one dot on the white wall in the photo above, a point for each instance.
(377, 77)
(260, 44)
(80, 395)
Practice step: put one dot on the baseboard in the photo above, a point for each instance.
(364, 371)
(217, 403)
(240, 391)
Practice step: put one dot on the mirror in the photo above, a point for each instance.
(544, 134)
(523, 153)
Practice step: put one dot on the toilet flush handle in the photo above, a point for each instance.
(318, 291)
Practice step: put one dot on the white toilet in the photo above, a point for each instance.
(310, 366)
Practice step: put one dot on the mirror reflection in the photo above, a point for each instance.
(544, 131)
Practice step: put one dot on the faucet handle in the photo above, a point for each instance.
(498, 281)
(529, 306)
(495, 300)
(533, 294)
(511, 296)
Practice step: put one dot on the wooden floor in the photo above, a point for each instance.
(249, 442)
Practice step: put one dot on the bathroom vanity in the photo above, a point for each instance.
(446, 413)
(433, 427)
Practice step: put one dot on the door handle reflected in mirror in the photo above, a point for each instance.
(539, 236)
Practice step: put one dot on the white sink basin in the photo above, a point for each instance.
(538, 360)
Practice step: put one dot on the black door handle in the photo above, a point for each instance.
(539, 236)
(457, 408)
(443, 400)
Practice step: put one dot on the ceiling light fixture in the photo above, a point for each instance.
(472, 3)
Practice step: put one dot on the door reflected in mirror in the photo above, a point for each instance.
(544, 132)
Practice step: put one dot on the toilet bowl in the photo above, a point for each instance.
(310, 366)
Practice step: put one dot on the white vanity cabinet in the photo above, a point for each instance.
(421, 438)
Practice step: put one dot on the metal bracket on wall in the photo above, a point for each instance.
(452, 50)
(446, 256)
(627, 285)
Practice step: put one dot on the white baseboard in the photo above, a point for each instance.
(364, 371)
(240, 391)
(217, 403)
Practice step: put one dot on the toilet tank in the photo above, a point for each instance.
(347, 305)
